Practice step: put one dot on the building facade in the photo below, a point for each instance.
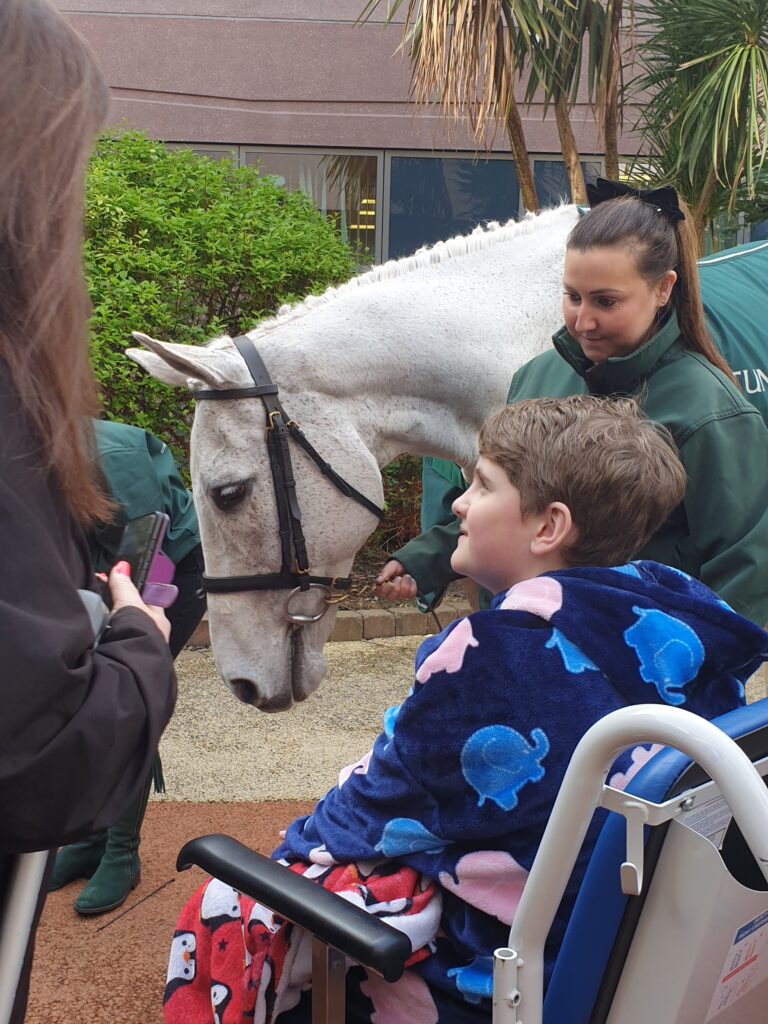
(297, 87)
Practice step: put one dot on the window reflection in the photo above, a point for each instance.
(433, 198)
(341, 186)
(552, 187)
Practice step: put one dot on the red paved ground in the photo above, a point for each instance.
(111, 968)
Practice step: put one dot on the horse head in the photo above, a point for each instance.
(266, 659)
(408, 357)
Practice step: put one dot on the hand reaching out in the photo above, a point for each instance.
(394, 584)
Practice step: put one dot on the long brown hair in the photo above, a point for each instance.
(53, 101)
(658, 246)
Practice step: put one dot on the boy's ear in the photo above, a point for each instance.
(555, 531)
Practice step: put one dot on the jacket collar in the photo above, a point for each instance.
(619, 374)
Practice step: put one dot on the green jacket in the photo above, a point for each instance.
(719, 533)
(142, 477)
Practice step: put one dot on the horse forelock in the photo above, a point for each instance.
(483, 237)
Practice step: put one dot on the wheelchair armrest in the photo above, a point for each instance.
(333, 920)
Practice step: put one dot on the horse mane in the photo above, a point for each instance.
(481, 238)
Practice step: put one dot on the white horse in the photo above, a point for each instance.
(410, 357)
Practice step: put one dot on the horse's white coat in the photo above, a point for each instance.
(410, 357)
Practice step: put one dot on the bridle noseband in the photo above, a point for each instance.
(295, 572)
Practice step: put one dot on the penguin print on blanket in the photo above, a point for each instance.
(498, 761)
(220, 905)
(221, 996)
(181, 964)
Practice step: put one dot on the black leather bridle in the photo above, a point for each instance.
(295, 572)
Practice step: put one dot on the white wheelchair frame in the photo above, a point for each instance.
(519, 968)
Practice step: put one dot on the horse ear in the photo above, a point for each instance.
(186, 365)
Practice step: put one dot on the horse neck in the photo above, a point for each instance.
(419, 395)
(415, 363)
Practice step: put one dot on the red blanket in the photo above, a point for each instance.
(233, 961)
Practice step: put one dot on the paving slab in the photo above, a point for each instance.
(353, 624)
(378, 623)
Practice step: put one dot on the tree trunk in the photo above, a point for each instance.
(520, 156)
(701, 211)
(611, 113)
(612, 136)
(570, 152)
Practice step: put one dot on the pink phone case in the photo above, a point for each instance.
(159, 589)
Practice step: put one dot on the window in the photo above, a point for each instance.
(212, 151)
(433, 198)
(552, 186)
(343, 187)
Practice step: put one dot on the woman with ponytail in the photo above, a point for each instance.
(634, 325)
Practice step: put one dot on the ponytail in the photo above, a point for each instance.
(686, 296)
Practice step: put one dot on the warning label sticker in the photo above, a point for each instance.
(710, 820)
(744, 966)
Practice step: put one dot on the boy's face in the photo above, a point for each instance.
(495, 545)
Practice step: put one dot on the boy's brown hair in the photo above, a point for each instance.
(617, 471)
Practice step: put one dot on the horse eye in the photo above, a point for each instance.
(229, 495)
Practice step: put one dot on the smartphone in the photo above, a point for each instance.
(140, 545)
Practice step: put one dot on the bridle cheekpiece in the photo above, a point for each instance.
(295, 572)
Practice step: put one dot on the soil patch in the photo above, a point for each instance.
(364, 595)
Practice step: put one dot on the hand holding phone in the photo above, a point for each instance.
(125, 595)
(151, 570)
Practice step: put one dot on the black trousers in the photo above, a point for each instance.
(188, 608)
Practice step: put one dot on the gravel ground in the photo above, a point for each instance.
(216, 748)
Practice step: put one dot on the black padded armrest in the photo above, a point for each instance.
(335, 921)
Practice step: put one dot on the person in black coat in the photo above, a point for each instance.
(80, 723)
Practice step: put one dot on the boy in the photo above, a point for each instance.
(460, 785)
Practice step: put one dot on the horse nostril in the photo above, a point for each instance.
(277, 704)
(245, 691)
(248, 693)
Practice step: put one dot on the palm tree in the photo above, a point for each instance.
(468, 53)
(705, 64)
(554, 70)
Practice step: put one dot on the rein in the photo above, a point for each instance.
(295, 572)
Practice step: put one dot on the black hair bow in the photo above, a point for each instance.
(663, 199)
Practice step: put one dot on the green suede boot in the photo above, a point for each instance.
(78, 860)
(119, 871)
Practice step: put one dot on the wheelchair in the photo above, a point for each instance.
(670, 923)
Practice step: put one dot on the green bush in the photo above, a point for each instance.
(402, 502)
(183, 248)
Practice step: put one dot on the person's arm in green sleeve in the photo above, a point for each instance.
(726, 504)
(427, 558)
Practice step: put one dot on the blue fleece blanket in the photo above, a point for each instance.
(460, 783)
